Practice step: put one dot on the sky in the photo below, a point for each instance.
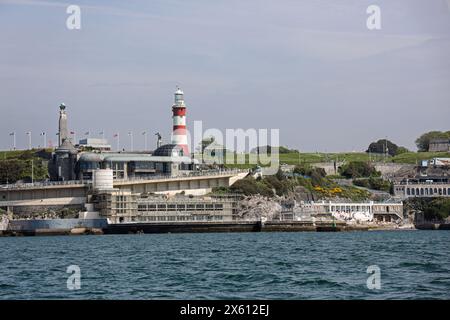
(311, 69)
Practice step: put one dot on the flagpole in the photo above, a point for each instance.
(13, 134)
(131, 140)
(44, 145)
(117, 135)
(145, 140)
(29, 140)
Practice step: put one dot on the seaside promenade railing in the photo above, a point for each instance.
(31, 185)
(221, 172)
(192, 174)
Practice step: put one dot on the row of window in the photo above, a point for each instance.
(181, 207)
(179, 218)
(427, 191)
(349, 209)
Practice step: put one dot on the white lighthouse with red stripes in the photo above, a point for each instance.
(179, 136)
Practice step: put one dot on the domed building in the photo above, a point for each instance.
(169, 150)
(168, 159)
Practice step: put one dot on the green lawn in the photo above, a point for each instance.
(414, 157)
(310, 158)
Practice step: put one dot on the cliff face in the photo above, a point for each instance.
(257, 207)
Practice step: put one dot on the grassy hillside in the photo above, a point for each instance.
(415, 157)
(310, 158)
(18, 154)
(17, 165)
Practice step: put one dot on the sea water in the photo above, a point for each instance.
(300, 265)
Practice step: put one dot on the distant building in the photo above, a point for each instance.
(439, 145)
(94, 143)
(353, 211)
(166, 160)
(125, 207)
(71, 162)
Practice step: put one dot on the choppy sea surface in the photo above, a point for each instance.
(302, 265)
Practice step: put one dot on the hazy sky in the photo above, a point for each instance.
(309, 68)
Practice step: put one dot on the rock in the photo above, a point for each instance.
(257, 207)
(78, 231)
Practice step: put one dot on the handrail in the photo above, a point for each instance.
(140, 178)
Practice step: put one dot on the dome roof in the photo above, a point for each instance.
(168, 150)
(66, 146)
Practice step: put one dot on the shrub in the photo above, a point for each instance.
(358, 169)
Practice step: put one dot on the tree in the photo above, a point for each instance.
(423, 142)
(384, 145)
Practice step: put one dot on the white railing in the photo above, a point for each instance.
(187, 174)
(42, 184)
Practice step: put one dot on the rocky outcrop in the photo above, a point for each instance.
(257, 207)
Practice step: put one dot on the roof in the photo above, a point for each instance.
(149, 158)
(168, 150)
(129, 157)
(66, 146)
(439, 140)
